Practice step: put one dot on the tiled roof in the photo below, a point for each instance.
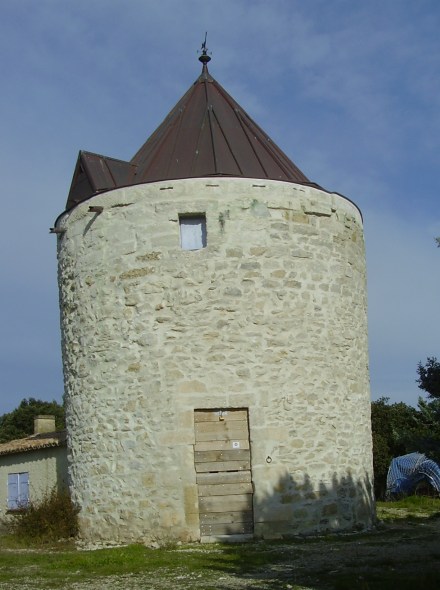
(34, 443)
(206, 134)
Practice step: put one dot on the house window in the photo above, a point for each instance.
(193, 231)
(18, 490)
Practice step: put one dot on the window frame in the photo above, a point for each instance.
(18, 491)
(192, 240)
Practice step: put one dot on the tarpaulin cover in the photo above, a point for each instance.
(407, 471)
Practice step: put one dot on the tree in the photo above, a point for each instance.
(427, 436)
(399, 429)
(429, 381)
(429, 377)
(393, 427)
(20, 422)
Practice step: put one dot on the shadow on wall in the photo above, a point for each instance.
(298, 512)
(288, 509)
(295, 508)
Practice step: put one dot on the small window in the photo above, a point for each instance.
(193, 231)
(18, 491)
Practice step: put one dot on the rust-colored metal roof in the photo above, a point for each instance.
(34, 442)
(206, 134)
(95, 174)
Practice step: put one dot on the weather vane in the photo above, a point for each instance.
(204, 58)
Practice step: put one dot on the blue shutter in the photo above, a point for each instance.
(23, 489)
(18, 490)
(12, 491)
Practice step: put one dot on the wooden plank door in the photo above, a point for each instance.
(223, 470)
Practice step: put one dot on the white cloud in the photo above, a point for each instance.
(349, 90)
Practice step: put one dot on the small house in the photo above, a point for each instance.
(31, 467)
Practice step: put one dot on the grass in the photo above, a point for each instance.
(205, 566)
(411, 506)
(205, 562)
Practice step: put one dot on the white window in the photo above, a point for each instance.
(18, 490)
(193, 231)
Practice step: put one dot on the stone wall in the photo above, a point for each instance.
(270, 316)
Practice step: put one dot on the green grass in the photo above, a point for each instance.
(203, 566)
(411, 506)
(59, 565)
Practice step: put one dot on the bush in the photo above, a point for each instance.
(51, 519)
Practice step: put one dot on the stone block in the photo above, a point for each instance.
(193, 386)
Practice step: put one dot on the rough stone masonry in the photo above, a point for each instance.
(270, 316)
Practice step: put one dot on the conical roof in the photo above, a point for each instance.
(206, 134)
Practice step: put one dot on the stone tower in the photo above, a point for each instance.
(213, 311)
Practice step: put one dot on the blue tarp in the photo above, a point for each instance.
(407, 471)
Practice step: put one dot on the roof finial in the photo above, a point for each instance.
(204, 58)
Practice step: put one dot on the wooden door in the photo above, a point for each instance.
(223, 470)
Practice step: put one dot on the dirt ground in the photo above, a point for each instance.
(406, 549)
(404, 554)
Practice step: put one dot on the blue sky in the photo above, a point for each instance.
(350, 90)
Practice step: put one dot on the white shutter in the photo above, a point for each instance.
(193, 232)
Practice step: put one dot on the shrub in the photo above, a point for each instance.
(52, 518)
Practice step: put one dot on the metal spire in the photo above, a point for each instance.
(204, 58)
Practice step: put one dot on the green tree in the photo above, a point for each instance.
(427, 436)
(393, 427)
(429, 377)
(20, 422)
